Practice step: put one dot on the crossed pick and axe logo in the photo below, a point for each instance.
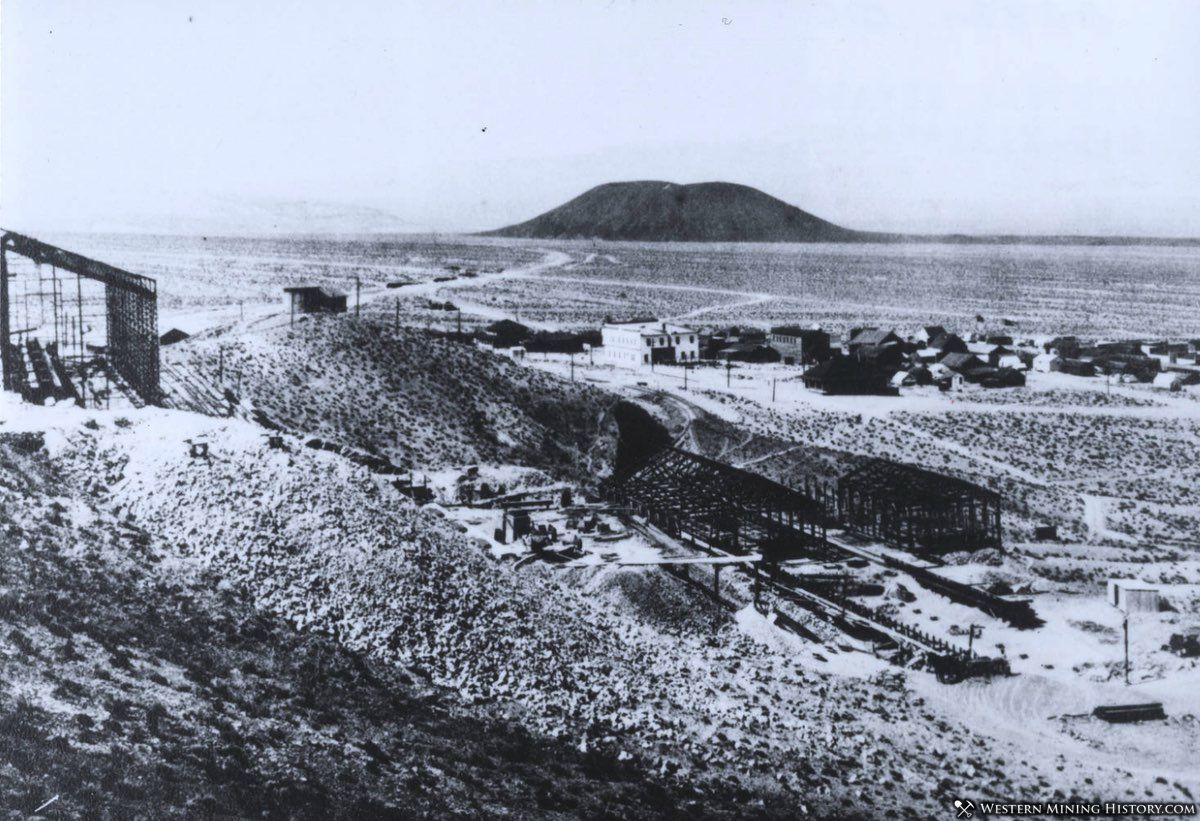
(965, 808)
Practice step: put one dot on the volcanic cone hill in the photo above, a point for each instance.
(658, 211)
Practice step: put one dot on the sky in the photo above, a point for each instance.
(1039, 117)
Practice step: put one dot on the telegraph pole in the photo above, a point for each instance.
(572, 367)
(774, 379)
(357, 296)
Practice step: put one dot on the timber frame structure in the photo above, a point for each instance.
(693, 497)
(917, 510)
(131, 315)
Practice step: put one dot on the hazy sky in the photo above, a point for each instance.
(1041, 117)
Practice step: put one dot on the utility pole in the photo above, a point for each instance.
(572, 367)
(728, 371)
(220, 364)
(774, 379)
(397, 323)
(357, 296)
(973, 632)
(685, 374)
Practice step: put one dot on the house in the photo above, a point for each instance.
(172, 336)
(1003, 378)
(1068, 346)
(927, 334)
(888, 357)
(1073, 367)
(999, 339)
(1168, 381)
(919, 375)
(1137, 366)
(800, 346)
(748, 352)
(962, 363)
(712, 341)
(1046, 362)
(1011, 360)
(949, 343)
(634, 344)
(504, 333)
(872, 338)
(315, 299)
(1133, 596)
(848, 375)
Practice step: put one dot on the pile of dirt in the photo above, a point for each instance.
(419, 400)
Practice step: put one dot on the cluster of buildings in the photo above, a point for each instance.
(869, 360)
(865, 361)
(1169, 365)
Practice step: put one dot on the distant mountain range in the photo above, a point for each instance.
(656, 211)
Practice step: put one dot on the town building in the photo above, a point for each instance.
(800, 346)
(636, 344)
(848, 375)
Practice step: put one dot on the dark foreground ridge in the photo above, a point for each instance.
(657, 211)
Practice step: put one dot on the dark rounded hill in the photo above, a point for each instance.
(667, 212)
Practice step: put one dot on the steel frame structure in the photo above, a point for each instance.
(131, 313)
(915, 509)
(688, 495)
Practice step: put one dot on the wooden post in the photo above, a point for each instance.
(6, 363)
(773, 381)
(716, 591)
(357, 296)
(1126, 625)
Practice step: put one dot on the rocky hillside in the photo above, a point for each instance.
(667, 212)
(140, 683)
(417, 399)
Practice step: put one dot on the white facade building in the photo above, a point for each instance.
(638, 344)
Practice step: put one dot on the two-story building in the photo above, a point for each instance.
(637, 344)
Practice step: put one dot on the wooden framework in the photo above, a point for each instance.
(692, 496)
(131, 313)
(915, 509)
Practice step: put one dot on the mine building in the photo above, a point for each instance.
(848, 375)
(918, 510)
(1133, 596)
(75, 329)
(316, 299)
(637, 344)
(800, 346)
(699, 499)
